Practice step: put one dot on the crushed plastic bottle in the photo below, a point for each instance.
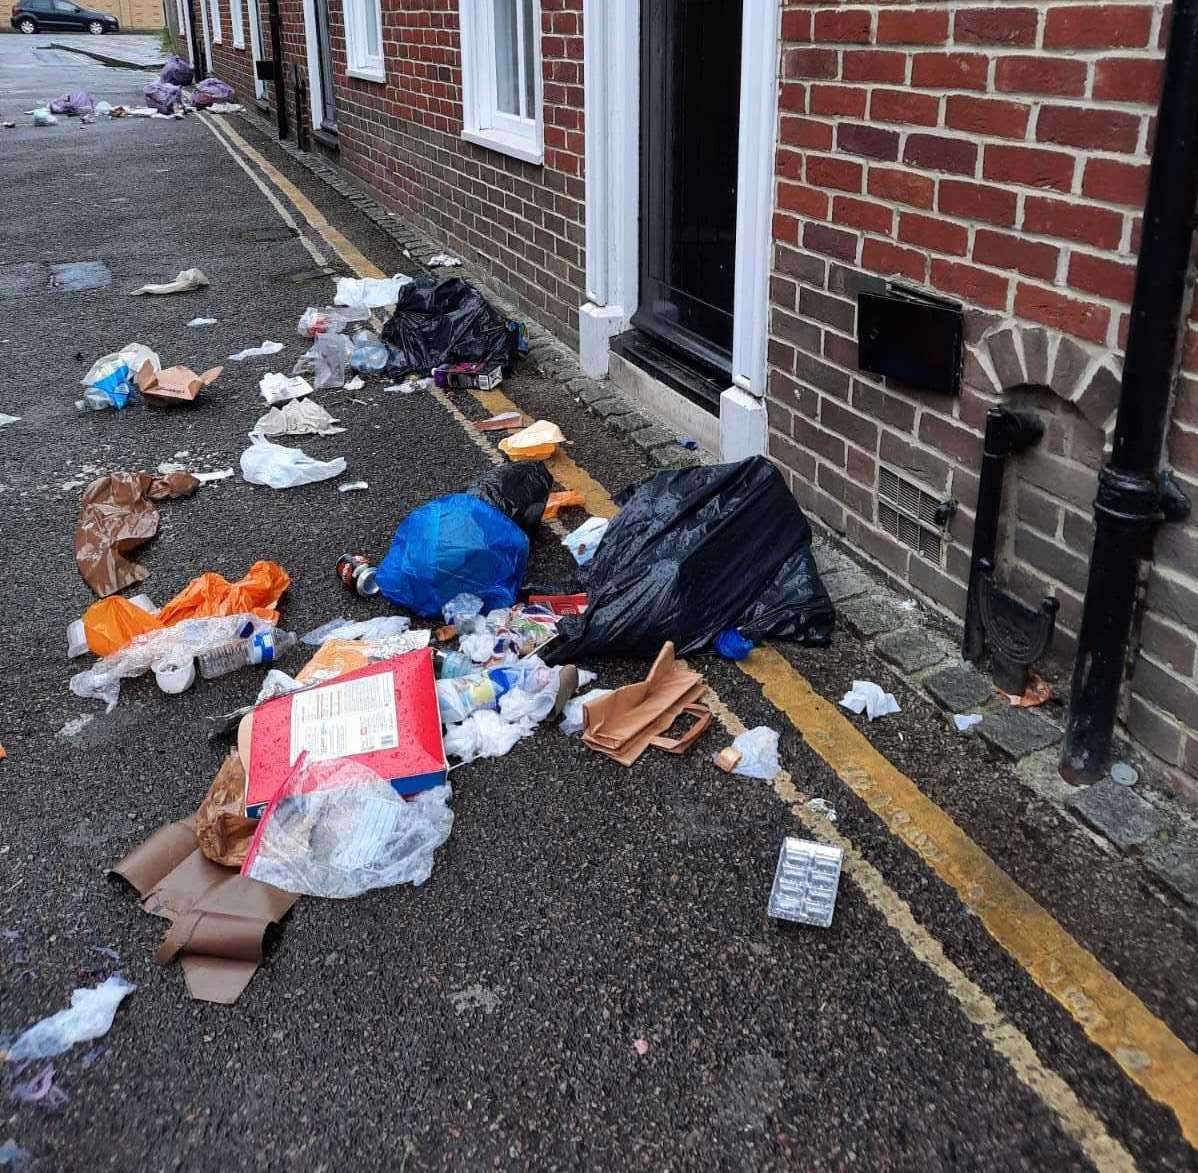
(262, 648)
(463, 606)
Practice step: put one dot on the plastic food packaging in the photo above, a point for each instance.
(437, 322)
(88, 1017)
(518, 490)
(694, 552)
(263, 647)
(210, 91)
(337, 829)
(459, 696)
(463, 606)
(332, 318)
(758, 749)
(175, 677)
(538, 441)
(584, 541)
(805, 882)
(223, 829)
(869, 698)
(176, 72)
(484, 734)
(452, 545)
(264, 463)
(111, 379)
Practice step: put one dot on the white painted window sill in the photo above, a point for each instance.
(508, 144)
(238, 44)
(363, 74)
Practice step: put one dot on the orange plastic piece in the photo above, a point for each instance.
(212, 595)
(563, 499)
(111, 623)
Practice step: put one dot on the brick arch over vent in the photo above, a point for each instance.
(1021, 356)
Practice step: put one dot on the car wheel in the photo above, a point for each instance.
(27, 27)
(96, 28)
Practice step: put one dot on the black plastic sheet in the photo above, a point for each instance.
(519, 489)
(447, 321)
(692, 553)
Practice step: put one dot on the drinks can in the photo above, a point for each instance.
(357, 574)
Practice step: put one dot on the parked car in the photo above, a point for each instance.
(34, 16)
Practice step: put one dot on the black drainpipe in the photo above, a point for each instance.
(198, 65)
(1133, 495)
(276, 50)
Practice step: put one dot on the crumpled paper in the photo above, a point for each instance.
(116, 516)
(297, 417)
(868, 698)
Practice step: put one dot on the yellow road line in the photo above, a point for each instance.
(1110, 1014)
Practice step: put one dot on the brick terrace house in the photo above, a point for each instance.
(695, 194)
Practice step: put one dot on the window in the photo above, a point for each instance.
(501, 76)
(364, 40)
(236, 20)
(214, 19)
(63, 6)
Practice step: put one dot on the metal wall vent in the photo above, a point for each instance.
(907, 513)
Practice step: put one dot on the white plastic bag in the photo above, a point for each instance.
(297, 417)
(573, 717)
(89, 1016)
(484, 734)
(584, 541)
(337, 829)
(758, 750)
(373, 292)
(264, 463)
(867, 697)
(256, 351)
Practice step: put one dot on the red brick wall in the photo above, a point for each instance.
(995, 153)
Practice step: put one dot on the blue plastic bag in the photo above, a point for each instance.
(451, 545)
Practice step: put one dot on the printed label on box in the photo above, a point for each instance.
(340, 720)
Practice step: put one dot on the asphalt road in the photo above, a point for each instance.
(489, 1017)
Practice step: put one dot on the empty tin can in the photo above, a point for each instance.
(357, 574)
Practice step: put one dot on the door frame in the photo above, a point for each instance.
(255, 47)
(315, 97)
(611, 76)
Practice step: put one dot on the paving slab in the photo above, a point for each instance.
(1017, 733)
(1175, 863)
(959, 688)
(867, 616)
(910, 650)
(1119, 813)
(844, 584)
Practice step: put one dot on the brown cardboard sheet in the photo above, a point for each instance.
(174, 384)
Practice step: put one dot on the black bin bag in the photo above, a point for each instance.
(519, 489)
(448, 321)
(692, 553)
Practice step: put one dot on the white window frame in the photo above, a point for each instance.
(482, 121)
(360, 62)
(237, 20)
(214, 15)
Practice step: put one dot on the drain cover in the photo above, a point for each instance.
(270, 235)
(76, 276)
(305, 275)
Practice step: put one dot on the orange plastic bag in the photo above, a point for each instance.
(212, 595)
(113, 622)
(563, 499)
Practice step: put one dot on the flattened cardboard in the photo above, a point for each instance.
(174, 384)
(218, 917)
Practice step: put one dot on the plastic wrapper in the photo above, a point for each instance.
(297, 417)
(369, 292)
(279, 467)
(452, 545)
(111, 623)
(563, 499)
(538, 441)
(573, 717)
(277, 388)
(112, 375)
(73, 102)
(484, 734)
(329, 353)
(518, 490)
(332, 318)
(163, 96)
(223, 829)
(210, 91)
(460, 696)
(337, 829)
(211, 594)
(176, 72)
(43, 117)
(439, 322)
(118, 513)
(584, 541)
(694, 552)
(463, 606)
(89, 1016)
(174, 645)
(758, 749)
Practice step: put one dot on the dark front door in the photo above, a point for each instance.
(690, 119)
(324, 56)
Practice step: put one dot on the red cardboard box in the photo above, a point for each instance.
(384, 715)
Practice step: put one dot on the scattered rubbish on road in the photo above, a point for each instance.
(89, 1016)
(5, 420)
(184, 282)
(563, 499)
(1123, 774)
(202, 322)
(438, 322)
(870, 699)
(805, 882)
(43, 117)
(463, 606)
(450, 545)
(369, 355)
(442, 261)
(626, 722)
(696, 551)
(110, 380)
(211, 91)
(278, 467)
(731, 645)
(8, 126)
(640, 1046)
(354, 384)
(262, 647)
(756, 755)
(109, 624)
(1037, 692)
(584, 541)
(41, 1091)
(688, 443)
(314, 322)
(117, 515)
(467, 376)
(353, 487)
(174, 384)
(575, 604)
(369, 292)
(76, 725)
(965, 721)
(12, 1156)
(257, 592)
(276, 388)
(176, 71)
(573, 712)
(520, 491)
(328, 358)
(539, 441)
(357, 573)
(217, 474)
(297, 417)
(173, 678)
(507, 421)
(162, 97)
(255, 351)
(73, 102)
(821, 806)
(223, 829)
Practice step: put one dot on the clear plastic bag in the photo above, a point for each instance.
(279, 467)
(89, 1016)
(484, 734)
(573, 717)
(463, 606)
(758, 749)
(330, 353)
(337, 829)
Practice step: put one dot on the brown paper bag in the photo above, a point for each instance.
(223, 830)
